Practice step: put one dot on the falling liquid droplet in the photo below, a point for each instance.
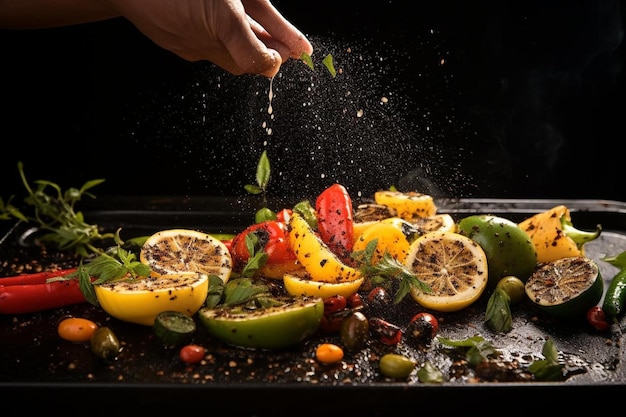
(270, 96)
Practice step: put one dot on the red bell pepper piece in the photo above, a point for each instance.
(335, 220)
(272, 238)
(30, 293)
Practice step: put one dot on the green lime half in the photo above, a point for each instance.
(567, 287)
(284, 324)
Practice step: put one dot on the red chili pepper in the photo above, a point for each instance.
(335, 220)
(31, 293)
(272, 239)
(36, 278)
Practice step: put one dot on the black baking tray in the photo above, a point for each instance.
(36, 363)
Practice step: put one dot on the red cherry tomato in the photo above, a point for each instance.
(597, 318)
(272, 239)
(335, 221)
(426, 321)
(334, 304)
(191, 353)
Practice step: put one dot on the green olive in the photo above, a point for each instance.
(393, 365)
(104, 343)
(513, 287)
(508, 248)
(354, 331)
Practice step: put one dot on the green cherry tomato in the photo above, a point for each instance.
(508, 248)
(286, 322)
(513, 287)
(393, 365)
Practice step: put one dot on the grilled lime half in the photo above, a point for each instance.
(284, 322)
(567, 287)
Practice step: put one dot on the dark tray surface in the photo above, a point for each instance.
(34, 356)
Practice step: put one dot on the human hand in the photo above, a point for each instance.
(240, 36)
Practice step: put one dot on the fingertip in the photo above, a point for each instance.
(274, 62)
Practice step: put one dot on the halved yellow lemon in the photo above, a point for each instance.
(140, 300)
(454, 266)
(300, 284)
(185, 251)
(409, 205)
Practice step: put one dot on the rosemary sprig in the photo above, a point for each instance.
(55, 214)
(389, 268)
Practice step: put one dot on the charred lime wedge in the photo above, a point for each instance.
(567, 287)
(283, 322)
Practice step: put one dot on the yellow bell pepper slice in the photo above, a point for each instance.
(408, 206)
(554, 236)
(390, 238)
(315, 256)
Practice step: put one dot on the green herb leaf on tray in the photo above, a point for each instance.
(428, 373)
(498, 313)
(477, 349)
(549, 368)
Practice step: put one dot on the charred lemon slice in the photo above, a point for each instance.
(408, 206)
(454, 266)
(443, 222)
(140, 300)
(184, 251)
(287, 322)
(566, 287)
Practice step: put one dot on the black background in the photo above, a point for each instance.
(485, 99)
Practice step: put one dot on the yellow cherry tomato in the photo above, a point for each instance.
(76, 329)
(328, 353)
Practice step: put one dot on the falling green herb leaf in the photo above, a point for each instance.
(263, 171)
(306, 58)
(328, 63)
